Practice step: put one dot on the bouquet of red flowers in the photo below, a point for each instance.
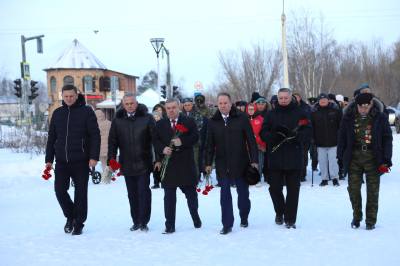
(114, 165)
(46, 173)
(179, 130)
(207, 183)
(291, 135)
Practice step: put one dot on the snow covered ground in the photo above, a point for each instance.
(31, 226)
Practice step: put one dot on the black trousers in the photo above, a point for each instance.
(286, 207)
(79, 172)
(139, 195)
(170, 204)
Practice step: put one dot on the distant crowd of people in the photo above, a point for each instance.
(181, 142)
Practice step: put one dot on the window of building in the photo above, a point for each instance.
(88, 84)
(68, 80)
(53, 84)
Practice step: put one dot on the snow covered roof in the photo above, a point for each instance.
(148, 98)
(77, 56)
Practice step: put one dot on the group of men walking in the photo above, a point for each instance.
(142, 145)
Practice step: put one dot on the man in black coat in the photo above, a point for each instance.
(365, 147)
(231, 139)
(325, 120)
(131, 132)
(74, 141)
(180, 170)
(286, 128)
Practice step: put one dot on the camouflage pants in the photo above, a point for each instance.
(364, 162)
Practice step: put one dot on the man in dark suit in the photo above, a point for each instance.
(180, 170)
(231, 139)
(74, 141)
(131, 132)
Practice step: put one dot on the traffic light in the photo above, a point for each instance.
(164, 91)
(175, 92)
(34, 90)
(18, 88)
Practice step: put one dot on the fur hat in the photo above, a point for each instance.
(364, 98)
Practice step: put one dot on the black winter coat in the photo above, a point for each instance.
(289, 156)
(74, 134)
(181, 170)
(232, 144)
(325, 123)
(133, 137)
(381, 136)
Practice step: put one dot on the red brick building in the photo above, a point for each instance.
(78, 66)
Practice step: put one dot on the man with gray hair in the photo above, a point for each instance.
(174, 139)
(132, 133)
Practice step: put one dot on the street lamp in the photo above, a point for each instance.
(158, 45)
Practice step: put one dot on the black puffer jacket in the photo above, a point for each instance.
(381, 135)
(289, 155)
(325, 123)
(133, 137)
(74, 134)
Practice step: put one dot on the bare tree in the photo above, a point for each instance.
(256, 69)
(312, 55)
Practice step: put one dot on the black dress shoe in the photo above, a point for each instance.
(225, 230)
(144, 228)
(279, 219)
(370, 226)
(77, 229)
(290, 225)
(244, 223)
(135, 227)
(355, 224)
(69, 226)
(197, 223)
(169, 230)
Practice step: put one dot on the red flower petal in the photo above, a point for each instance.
(181, 128)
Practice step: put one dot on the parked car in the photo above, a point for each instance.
(394, 118)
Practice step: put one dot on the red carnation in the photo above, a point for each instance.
(181, 128)
(113, 178)
(205, 192)
(303, 122)
(198, 189)
(114, 164)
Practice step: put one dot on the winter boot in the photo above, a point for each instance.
(335, 182)
(355, 224)
(370, 226)
(279, 219)
(323, 183)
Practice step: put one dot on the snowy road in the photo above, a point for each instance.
(31, 226)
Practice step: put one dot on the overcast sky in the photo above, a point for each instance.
(194, 31)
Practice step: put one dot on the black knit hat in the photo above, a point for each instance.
(364, 98)
(254, 96)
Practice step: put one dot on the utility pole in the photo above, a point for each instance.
(284, 49)
(25, 75)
